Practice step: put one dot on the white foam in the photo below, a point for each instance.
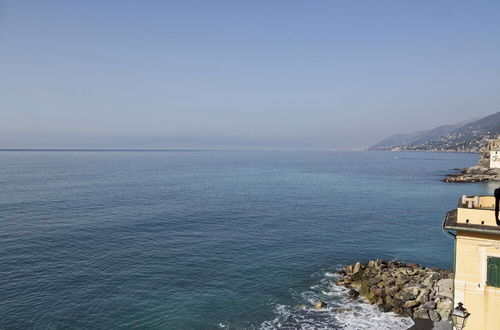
(341, 313)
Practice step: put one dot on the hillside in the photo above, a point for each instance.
(467, 136)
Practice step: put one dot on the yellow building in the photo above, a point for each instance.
(477, 260)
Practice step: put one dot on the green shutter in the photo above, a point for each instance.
(493, 272)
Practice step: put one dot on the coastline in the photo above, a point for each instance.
(476, 173)
(424, 294)
(424, 150)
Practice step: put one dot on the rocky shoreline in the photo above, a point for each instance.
(476, 173)
(405, 289)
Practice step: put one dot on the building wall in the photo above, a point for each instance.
(482, 301)
(476, 216)
(494, 159)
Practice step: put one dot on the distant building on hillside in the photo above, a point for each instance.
(494, 150)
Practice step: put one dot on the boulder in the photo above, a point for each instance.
(408, 312)
(432, 295)
(430, 305)
(392, 291)
(428, 281)
(400, 282)
(411, 290)
(397, 303)
(320, 304)
(353, 294)
(410, 293)
(411, 303)
(340, 283)
(389, 281)
(444, 288)
(386, 307)
(444, 308)
(421, 313)
(379, 292)
(357, 268)
(423, 296)
(434, 316)
(357, 277)
(374, 280)
(371, 298)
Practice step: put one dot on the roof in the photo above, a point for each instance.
(450, 223)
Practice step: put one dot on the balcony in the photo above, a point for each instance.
(475, 214)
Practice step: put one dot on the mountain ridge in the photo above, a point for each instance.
(466, 136)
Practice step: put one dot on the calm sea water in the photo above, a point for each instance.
(212, 239)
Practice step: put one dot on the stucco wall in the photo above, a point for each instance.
(494, 159)
(482, 301)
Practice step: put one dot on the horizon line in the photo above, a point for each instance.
(174, 149)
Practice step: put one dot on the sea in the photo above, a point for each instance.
(200, 239)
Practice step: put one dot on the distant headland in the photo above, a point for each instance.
(469, 136)
(478, 135)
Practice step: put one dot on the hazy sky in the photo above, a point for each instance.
(277, 74)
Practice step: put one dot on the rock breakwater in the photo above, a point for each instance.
(475, 174)
(405, 289)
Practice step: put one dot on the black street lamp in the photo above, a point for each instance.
(459, 316)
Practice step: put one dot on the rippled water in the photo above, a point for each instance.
(211, 239)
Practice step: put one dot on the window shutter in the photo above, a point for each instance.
(493, 273)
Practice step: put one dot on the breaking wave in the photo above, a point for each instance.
(341, 312)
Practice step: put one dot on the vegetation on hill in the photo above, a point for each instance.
(469, 136)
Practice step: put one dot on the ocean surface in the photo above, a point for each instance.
(213, 239)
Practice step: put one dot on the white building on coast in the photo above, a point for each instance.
(494, 151)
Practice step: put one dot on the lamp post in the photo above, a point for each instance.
(459, 316)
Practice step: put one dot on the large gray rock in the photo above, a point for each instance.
(357, 268)
(420, 313)
(397, 303)
(434, 315)
(392, 290)
(378, 292)
(410, 293)
(411, 290)
(429, 280)
(400, 282)
(444, 308)
(444, 288)
(430, 305)
(374, 280)
(411, 303)
(423, 296)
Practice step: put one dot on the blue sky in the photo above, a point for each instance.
(231, 74)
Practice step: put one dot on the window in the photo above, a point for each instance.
(493, 278)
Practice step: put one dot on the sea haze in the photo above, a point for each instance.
(212, 239)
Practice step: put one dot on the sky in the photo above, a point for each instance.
(311, 74)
